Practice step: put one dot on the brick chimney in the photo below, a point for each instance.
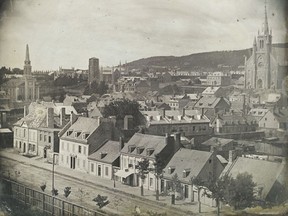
(25, 111)
(128, 122)
(183, 112)
(232, 156)
(177, 141)
(50, 117)
(62, 116)
(162, 112)
(121, 143)
(73, 117)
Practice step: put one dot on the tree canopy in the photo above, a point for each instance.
(96, 88)
(121, 108)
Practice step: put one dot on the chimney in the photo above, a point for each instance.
(3, 119)
(183, 112)
(73, 118)
(232, 156)
(121, 143)
(50, 117)
(177, 141)
(99, 120)
(62, 116)
(25, 111)
(162, 112)
(128, 122)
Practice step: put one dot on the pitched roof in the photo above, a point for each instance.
(68, 109)
(210, 90)
(81, 126)
(145, 141)
(216, 141)
(209, 102)
(190, 160)
(258, 112)
(263, 177)
(111, 151)
(175, 116)
(273, 97)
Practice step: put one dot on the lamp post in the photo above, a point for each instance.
(53, 182)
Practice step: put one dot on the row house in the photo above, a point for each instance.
(275, 119)
(219, 79)
(142, 146)
(233, 123)
(37, 132)
(212, 105)
(106, 160)
(190, 165)
(190, 123)
(81, 137)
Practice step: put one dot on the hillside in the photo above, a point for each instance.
(207, 61)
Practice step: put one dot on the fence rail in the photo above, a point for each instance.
(45, 202)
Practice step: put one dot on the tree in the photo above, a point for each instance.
(220, 190)
(96, 88)
(143, 170)
(176, 184)
(121, 108)
(242, 194)
(199, 183)
(158, 171)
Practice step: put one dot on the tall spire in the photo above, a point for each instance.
(266, 28)
(27, 59)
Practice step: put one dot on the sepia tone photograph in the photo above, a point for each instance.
(143, 107)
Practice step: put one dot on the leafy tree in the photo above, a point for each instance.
(199, 184)
(220, 190)
(143, 170)
(176, 184)
(121, 108)
(242, 194)
(96, 88)
(158, 171)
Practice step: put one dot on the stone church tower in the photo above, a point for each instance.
(31, 91)
(261, 67)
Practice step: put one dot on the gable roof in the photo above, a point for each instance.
(190, 160)
(210, 90)
(216, 141)
(82, 125)
(264, 173)
(145, 141)
(110, 148)
(209, 102)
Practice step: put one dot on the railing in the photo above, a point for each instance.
(44, 202)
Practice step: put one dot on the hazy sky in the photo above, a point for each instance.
(68, 32)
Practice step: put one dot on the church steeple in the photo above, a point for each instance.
(27, 59)
(27, 63)
(266, 27)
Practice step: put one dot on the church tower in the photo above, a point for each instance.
(31, 92)
(258, 68)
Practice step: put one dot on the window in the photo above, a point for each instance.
(99, 170)
(106, 171)
(84, 150)
(24, 133)
(92, 167)
(67, 146)
(67, 160)
(49, 139)
(79, 149)
(151, 182)
(45, 138)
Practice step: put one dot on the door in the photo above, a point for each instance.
(24, 147)
(72, 162)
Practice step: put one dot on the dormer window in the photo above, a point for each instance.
(69, 133)
(77, 134)
(149, 152)
(209, 104)
(131, 149)
(85, 135)
(186, 172)
(140, 150)
(171, 169)
(103, 154)
(200, 104)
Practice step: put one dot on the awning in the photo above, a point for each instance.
(123, 173)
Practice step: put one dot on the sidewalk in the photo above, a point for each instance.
(134, 192)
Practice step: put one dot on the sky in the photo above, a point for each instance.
(67, 33)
